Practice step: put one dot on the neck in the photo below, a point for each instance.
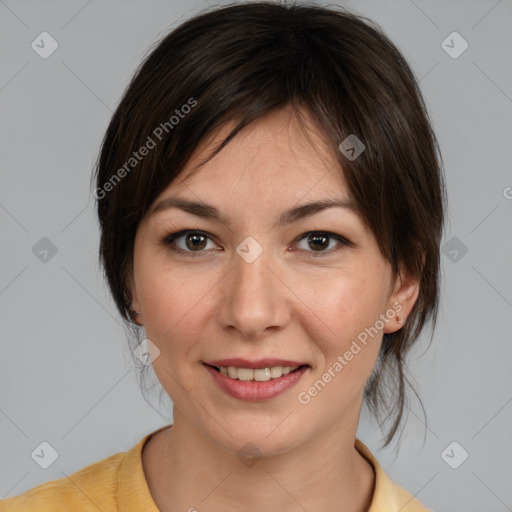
(187, 471)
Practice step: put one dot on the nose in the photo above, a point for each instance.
(254, 298)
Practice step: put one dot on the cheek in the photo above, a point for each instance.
(341, 315)
(342, 326)
(343, 303)
(174, 302)
(175, 323)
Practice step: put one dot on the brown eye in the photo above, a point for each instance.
(319, 241)
(188, 242)
(195, 241)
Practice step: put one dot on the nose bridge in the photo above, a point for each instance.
(253, 299)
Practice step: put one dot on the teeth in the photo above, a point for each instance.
(258, 374)
(244, 373)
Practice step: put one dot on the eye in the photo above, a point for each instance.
(319, 241)
(194, 241)
(189, 241)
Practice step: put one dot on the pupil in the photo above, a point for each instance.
(195, 241)
(319, 237)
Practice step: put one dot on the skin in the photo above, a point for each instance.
(286, 304)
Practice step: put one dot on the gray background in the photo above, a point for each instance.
(66, 374)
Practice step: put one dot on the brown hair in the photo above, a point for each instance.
(242, 61)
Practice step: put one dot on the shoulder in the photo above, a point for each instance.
(112, 484)
(388, 495)
(403, 500)
(91, 488)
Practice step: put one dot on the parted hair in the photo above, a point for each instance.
(242, 61)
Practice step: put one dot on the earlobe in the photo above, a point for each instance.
(136, 313)
(134, 304)
(402, 300)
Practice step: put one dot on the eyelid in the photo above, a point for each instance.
(169, 239)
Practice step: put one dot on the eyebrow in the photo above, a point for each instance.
(208, 211)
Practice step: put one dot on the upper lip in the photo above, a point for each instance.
(260, 363)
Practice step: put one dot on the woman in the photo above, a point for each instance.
(271, 204)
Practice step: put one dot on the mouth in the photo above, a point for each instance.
(261, 374)
(256, 380)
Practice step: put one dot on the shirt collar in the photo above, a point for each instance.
(134, 495)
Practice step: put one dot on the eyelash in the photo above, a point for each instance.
(169, 241)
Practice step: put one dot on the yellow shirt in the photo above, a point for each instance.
(117, 483)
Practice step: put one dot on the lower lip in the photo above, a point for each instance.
(255, 391)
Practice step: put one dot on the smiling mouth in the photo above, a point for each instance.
(256, 374)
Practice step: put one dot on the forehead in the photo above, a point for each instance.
(276, 170)
(275, 153)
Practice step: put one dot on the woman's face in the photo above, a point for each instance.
(252, 288)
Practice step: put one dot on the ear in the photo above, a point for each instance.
(134, 304)
(402, 299)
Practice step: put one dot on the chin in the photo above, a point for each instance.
(263, 437)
